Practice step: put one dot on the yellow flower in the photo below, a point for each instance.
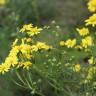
(26, 51)
(70, 43)
(2, 2)
(24, 48)
(27, 65)
(41, 45)
(77, 68)
(26, 28)
(91, 20)
(87, 41)
(92, 5)
(34, 31)
(83, 31)
(4, 68)
(62, 43)
(91, 60)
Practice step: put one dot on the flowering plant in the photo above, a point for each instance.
(62, 66)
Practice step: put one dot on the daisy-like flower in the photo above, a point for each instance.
(91, 20)
(70, 43)
(83, 31)
(92, 5)
(4, 68)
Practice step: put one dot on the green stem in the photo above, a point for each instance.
(20, 78)
(27, 82)
(38, 93)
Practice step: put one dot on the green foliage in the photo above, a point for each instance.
(47, 77)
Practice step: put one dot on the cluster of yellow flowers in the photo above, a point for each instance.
(91, 21)
(30, 30)
(92, 8)
(21, 54)
(86, 40)
(69, 43)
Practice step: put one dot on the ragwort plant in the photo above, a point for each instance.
(61, 67)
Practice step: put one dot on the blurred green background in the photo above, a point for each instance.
(14, 13)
